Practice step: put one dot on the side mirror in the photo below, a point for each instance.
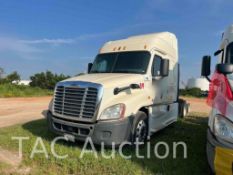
(164, 69)
(224, 68)
(160, 67)
(89, 67)
(205, 68)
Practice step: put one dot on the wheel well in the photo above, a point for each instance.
(145, 110)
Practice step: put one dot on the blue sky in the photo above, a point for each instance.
(63, 36)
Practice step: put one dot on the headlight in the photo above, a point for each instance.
(113, 112)
(223, 128)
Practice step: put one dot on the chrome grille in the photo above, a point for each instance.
(75, 102)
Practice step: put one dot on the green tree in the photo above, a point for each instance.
(14, 76)
(195, 92)
(1, 72)
(46, 80)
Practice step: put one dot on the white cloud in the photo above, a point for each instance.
(116, 32)
(31, 49)
(11, 44)
(61, 41)
(48, 41)
(96, 35)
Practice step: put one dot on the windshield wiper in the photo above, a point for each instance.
(121, 71)
(96, 71)
(132, 86)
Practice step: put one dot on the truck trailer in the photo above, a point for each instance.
(131, 91)
(220, 98)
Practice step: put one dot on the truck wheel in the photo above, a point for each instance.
(183, 108)
(140, 127)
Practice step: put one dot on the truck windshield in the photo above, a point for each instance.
(230, 53)
(121, 62)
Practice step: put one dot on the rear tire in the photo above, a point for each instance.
(183, 108)
(140, 127)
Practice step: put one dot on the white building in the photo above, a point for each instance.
(22, 82)
(201, 83)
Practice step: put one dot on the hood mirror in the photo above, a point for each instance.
(218, 52)
(89, 67)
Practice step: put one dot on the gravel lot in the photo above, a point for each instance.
(198, 104)
(21, 110)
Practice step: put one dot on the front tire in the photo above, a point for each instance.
(140, 127)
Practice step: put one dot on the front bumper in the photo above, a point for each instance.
(219, 155)
(108, 132)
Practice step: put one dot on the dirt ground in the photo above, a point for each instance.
(21, 110)
(197, 104)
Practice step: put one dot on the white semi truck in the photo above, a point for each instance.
(130, 92)
(220, 130)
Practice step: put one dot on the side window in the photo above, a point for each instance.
(229, 53)
(156, 66)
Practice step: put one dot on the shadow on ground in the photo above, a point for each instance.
(190, 130)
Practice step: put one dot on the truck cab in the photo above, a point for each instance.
(129, 92)
(220, 98)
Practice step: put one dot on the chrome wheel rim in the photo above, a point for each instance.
(141, 131)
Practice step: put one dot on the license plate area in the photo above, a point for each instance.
(69, 137)
(71, 129)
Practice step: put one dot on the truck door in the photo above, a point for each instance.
(165, 108)
(160, 84)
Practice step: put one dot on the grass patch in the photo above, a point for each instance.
(191, 130)
(11, 90)
(3, 167)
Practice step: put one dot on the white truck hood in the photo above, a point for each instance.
(109, 80)
(131, 98)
